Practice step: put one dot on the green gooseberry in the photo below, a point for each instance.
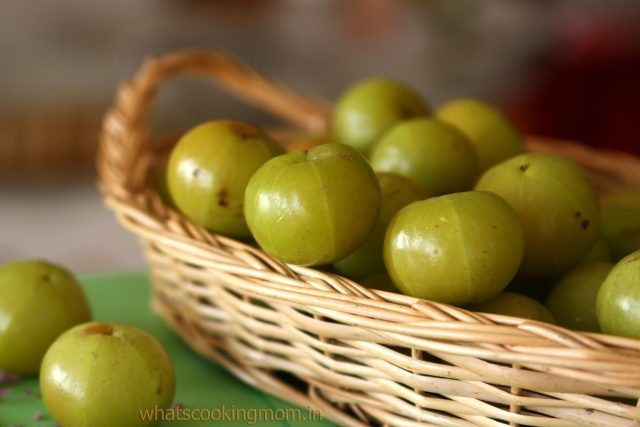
(370, 107)
(493, 136)
(314, 207)
(459, 248)
(434, 154)
(557, 205)
(209, 169)
(573, 300)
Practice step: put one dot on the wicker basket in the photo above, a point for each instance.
(363, 357)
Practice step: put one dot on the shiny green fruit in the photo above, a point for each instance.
(557, 205)
(491, 133)
(516, 305)
(621, 222)
(434, 154)
(209, 169)
(397, 192)
(573, 300)
(618, 302)
(104, 375)
(369, 108)
(315, 207)
(460, 248)
(38, 302)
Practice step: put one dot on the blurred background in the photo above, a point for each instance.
(566, 69)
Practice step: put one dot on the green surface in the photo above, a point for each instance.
(200, 383)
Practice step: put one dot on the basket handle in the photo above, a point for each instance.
(122, 161)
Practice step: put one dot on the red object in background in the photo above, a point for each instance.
(588, 91)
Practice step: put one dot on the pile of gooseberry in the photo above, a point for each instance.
(442, 204)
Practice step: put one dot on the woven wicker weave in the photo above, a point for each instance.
(362, 357)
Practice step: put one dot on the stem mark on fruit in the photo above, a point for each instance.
(585, 224)
(99, 329)
(196, 172)
(524, 167)
(223, 197)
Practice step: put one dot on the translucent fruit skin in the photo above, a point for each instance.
(209, 169)
(38, 302)
(313, 208)
(516, 305)
(557, 205)
(491, 133)
(573, 300)
(460, 248)
(103, 374)
(369, 108)
(618, 302)
(397, 192)
(434, 154)
(621, 222)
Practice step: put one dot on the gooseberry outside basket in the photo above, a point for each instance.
(362, 357)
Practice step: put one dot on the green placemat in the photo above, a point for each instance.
(200, 384)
